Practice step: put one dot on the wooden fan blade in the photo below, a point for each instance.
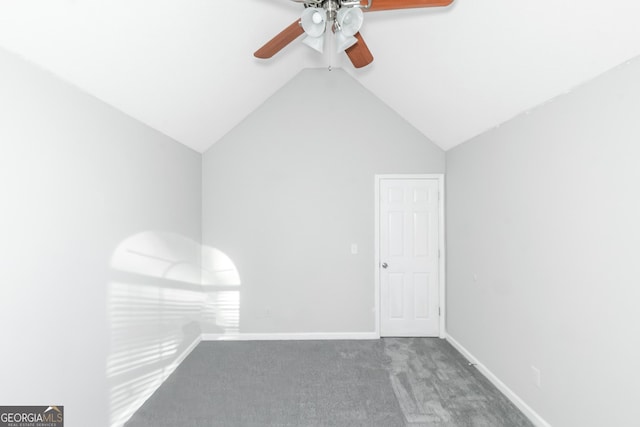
(280, 41)
(359, 53)
(404, 4)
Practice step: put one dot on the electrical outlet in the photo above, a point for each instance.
(536, 376)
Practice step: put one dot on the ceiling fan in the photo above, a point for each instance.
(344, 18)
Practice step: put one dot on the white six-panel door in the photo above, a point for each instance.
(409, 257)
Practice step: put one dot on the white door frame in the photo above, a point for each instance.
(441, 245)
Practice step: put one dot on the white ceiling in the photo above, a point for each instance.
(185, 67)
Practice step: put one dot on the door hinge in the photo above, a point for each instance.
(439, 312)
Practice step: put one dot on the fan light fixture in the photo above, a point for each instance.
(349, 21)
(346, 19)
(314, 23)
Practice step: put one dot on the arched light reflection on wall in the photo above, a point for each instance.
(220, 280)
(165, 289)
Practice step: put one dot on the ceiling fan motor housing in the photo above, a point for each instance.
(331, 6)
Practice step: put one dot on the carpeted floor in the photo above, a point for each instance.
(388, 382)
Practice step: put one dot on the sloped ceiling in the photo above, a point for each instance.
(185, 67)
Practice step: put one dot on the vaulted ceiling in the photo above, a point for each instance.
(185, 67)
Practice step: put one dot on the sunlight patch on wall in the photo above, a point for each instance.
(165, 289)
(221, 281)
(161, 255)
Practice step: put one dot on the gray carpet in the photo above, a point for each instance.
(389, 382)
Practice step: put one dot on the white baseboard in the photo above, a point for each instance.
(292, 336)
(535, 418)
(166, 372)
(178, 361)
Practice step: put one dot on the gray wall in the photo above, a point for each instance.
(544, 211)
(288, 191)
(97, 213)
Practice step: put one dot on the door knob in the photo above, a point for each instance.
(385, 265)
